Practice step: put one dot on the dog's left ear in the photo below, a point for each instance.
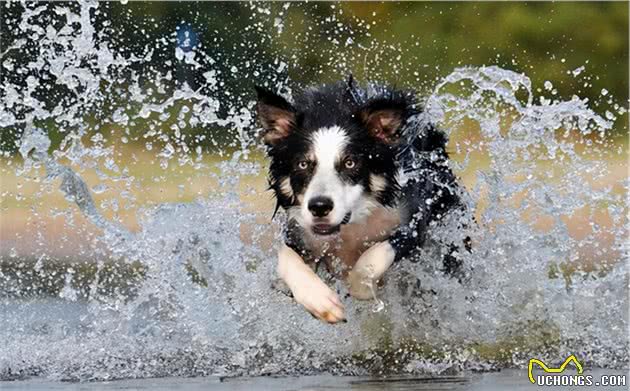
(384, 118)
(275, 114)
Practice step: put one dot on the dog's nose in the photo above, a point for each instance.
(320, 206)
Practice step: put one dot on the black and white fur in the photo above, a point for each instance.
(362, 178)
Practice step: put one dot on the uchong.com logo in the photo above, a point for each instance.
(558, 377)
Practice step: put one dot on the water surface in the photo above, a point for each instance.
(504, 380)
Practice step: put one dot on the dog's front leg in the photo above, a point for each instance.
(307, 288)
(371, 265)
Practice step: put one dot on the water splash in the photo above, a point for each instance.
(200, 299)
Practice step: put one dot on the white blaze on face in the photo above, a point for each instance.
(328, 148)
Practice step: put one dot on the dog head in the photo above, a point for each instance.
(333, 154)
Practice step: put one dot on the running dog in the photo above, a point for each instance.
(362, 178)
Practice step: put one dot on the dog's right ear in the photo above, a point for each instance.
(275, 114)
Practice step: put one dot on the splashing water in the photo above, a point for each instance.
(193, 295)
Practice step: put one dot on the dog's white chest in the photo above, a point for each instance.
(355, 238)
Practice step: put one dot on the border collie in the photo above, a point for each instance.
(362, 178)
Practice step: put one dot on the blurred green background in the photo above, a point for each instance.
(407, 43)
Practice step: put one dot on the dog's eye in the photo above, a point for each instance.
(349, 163)
(302, 164)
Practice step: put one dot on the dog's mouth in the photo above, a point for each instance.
(329, 229)
(326, 229)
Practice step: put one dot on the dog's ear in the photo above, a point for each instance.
(275, 114)
(384, 118)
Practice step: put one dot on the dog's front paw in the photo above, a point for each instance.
(360, 286)
(370, 268)
(319, 300)
(308, 290)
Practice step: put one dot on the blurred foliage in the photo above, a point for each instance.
(409, 44)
